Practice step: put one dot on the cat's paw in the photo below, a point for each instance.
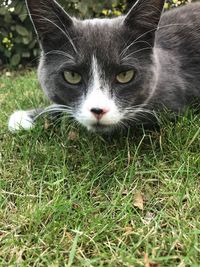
(20, 120)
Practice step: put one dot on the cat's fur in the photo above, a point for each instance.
(165, 53)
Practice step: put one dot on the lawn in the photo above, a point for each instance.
(73, 198)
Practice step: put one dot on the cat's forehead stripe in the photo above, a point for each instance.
(96, 73)
(100, 21)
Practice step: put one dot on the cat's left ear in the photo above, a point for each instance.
(145, 14)
(50, 20)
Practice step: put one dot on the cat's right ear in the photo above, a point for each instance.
(48, 18)
(145, 15)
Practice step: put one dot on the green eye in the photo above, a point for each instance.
(72, 77)
(125, 76)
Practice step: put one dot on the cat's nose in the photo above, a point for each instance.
(98, 112)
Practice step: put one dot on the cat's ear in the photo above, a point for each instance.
(48, 18)
(145, 14)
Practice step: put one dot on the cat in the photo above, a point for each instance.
(112, 73)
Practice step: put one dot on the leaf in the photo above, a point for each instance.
(2, 85)
(26, 40)
(26, 54)
(148, 262)
(128, 230)
(73, 136)
(138, 200)
(18, 39)
(46, 124)
(22, 30)
(2, 10)
(23, 14)
(18, 8)
(148, 218)
(32, 44)
(8, 74)
(15, 60)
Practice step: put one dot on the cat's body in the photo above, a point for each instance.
(124, 69)
(179, 56)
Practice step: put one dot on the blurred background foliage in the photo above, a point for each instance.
(18, 42)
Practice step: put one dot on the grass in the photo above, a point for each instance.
(72, 198)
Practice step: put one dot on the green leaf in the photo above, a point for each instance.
(22, 30)
(18, 39)
(3, 10)
(15, 59)
(26, 40)
(32, 44)
(26, 54)
(18, 8)
(23, 14)
(7, 53)
(36, 52)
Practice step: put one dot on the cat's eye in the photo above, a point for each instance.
(125, 76)
(72, 77)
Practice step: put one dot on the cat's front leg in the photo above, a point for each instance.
(23, 120)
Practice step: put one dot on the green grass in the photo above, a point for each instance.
(75, 202)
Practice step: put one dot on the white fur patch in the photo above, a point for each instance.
(102, 21)
(20, 120)
(98, 96)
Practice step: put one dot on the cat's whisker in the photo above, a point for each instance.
(128, 107)
(54, 110)
(141, 113)
(131, 108)
(153, 114)
(138, 108)
(59, 106)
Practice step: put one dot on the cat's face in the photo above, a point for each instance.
(101, 70)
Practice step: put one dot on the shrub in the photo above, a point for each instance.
(18, 44)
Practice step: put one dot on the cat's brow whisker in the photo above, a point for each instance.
(66, 31)
(137, 51)
(62, 53)
(161, 27)
(133, 43)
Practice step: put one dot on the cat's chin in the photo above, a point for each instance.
(100, 128)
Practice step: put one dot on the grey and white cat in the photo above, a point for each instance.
(109, 73)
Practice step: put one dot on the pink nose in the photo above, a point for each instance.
(98, 112)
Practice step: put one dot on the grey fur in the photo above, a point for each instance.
(166, 57)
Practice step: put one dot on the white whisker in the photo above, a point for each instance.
(62, 53)
(134, 52)
(133, 43)
(55, 109)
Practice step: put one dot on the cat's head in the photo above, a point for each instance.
(101, 70)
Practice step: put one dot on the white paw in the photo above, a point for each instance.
(20, 120)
